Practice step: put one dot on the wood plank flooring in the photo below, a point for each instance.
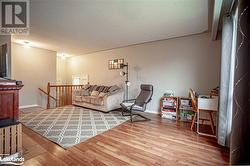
(155, 142)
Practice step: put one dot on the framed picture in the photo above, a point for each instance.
(115, 64)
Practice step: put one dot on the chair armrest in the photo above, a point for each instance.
(129, 100)
(131, 107)
(113, 100)
(141, 102)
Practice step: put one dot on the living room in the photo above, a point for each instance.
(144, 50)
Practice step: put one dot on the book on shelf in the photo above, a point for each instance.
(168, 110)
(169, 107)
(169, 115)
(186, 108)
(185, 104)
(186, 115)
(169, 102)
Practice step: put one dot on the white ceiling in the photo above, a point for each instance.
(85, 26)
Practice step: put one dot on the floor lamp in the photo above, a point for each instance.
(127, 83)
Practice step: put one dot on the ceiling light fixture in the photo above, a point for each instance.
(63, 56)
(26, 44)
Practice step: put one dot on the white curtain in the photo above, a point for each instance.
(228, 53)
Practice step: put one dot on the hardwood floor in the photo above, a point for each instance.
(155, 142)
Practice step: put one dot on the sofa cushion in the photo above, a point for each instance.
(98, 87)
(102, 94)
(94, 93)
(128, 106)
(102, 88)
(78, 98)
(106, 89)
(85, 92)
(97, 101)
(92, 87)
(78, 92)
(113, 89)
(86, 99)
(87, 86)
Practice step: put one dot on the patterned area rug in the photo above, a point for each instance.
(68, 126)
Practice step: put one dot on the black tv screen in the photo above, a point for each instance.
(3, 61)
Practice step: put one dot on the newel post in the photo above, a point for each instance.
(48, 96)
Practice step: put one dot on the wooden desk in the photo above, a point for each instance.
(208, 105)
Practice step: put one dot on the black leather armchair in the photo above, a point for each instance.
(139, 104)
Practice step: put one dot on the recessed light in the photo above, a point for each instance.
(63, 55)
(26, 44)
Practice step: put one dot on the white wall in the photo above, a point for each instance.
(176, 64)
(61, 70)
(35, 68)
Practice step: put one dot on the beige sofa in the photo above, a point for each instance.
(102, 98)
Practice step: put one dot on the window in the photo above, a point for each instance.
(80, 79)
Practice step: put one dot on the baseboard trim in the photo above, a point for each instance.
(152, 111)
(28, 106)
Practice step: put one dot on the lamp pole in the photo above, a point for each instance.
(126, 81)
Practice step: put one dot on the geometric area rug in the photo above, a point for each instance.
(70, 125)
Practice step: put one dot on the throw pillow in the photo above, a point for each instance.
(78, 92)
(92, 88)
(102, 94)
(85, 92)
(114, 88)
(87, 86)
(100, 88)
(106, 89)
(94, 93)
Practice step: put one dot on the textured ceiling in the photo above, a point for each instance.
(85, 26)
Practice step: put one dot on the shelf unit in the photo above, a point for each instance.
(173, 108)
(186, 113)
(169, 107)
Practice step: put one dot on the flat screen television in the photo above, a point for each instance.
(4, 62)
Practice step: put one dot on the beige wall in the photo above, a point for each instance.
(35, 67)
(61, 68)
(6, 39)
(175, 64)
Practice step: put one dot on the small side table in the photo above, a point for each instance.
(209, 105)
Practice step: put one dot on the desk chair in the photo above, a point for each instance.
(194, 106)
(195, 110)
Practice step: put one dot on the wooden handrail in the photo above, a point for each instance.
(48, 98)
(63, 94)
(54, 86)
(47, 94)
